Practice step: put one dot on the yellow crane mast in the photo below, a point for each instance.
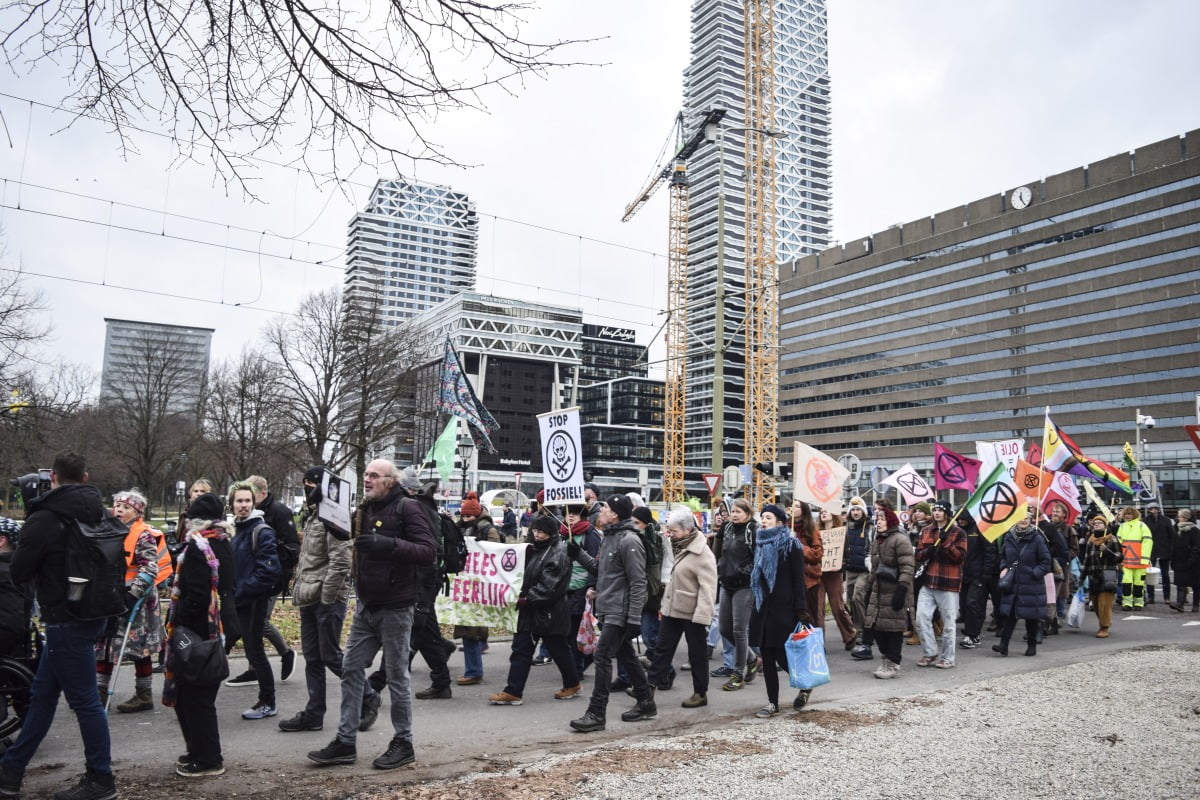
(762, 281)
(675, 390)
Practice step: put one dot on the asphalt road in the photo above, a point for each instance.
(465, 734)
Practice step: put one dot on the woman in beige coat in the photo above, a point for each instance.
(687, 605)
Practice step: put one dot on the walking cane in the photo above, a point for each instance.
(112, 681)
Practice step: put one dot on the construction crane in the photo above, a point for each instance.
(675, 172)
(762, 274)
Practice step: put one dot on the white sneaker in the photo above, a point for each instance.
(887, 670)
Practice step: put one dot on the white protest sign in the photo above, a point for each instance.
(485, 592)
(562, 456)
(334, 508)
(833, 544)
(1006, 451)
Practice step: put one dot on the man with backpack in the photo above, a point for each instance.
(68, 662)
(652, 541)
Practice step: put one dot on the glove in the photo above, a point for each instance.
(375, 544)
(522, 602)
(130, 601)
(573, 549)
(943, 534)
(632, 632)
(899, 596)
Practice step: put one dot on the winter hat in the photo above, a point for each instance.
(207, 506)
(945, 506)
(636, 499)
(858, 501)
(922, 506)
(470, 506)
(620, 505)
(779, 513)
(314, 474)
(595, 489)
(544, 523)
(410, 479)
(642, 514)
(541, 497)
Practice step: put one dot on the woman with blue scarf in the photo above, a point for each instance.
(777, 581)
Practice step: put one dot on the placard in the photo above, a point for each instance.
(833, 541)
(562, 456)
(334, 508)
(485, 591)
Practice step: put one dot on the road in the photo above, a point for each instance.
(466, 735)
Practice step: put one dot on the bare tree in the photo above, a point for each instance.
(22, 327)
(230, 78)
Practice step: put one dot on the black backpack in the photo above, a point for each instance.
(653, 545)
(453, 545)
(95, 552)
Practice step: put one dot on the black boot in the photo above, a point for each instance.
(1031, 648)
(1001, 648)
(645, 709)
(589, 722)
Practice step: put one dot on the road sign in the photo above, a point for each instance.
(878, 474)
(713, 482)
(853, 466)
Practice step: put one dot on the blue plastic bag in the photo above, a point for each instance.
(807, 667)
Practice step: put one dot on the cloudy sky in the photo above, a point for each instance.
(934, 104)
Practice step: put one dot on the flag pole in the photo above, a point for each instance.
(1041, 481)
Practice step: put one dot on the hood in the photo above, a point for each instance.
(255, 514)
(81, 501)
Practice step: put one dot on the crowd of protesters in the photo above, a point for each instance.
(746, 584)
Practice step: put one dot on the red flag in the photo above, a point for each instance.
(954, 471)
(1035, 455)
(1062, 489)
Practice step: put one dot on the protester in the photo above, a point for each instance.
(1058, 541)
(858, 546)
(201, 601)
(580, 533)
(1186, 559)
(804, 525)
(1026, 554)
(542, 612)
(1137, 547)
(474, 521)
(148, 564)
(16, 599)
(832, 588)
(287, 543)
(1101, 565)
(68, 662)
(391, 538)
(979, 571)
(943, 548)
(199, 486)
(256, 557)
(889, 597)
(687, 605)
(1163, 534)
(733, 548)
(777, 585)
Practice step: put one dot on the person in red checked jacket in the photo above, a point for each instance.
(942, 546)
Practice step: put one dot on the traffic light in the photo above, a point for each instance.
(776, 469)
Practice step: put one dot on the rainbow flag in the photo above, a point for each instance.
(1061, 454)
(996, 505)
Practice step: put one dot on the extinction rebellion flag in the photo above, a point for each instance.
(457, 398)
(996, 504)
(954, 471)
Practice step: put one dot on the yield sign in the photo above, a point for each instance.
(1194, 432)
(712, 481)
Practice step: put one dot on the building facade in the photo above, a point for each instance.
(412, 247)
(716, 230)
(610, 352)
(149, 359)
(1077, 292)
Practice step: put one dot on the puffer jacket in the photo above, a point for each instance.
(620, 570)
(858, 544)
(1029, 555)
(691, 590)
(323, 573)
(891, 548)
(256, 559)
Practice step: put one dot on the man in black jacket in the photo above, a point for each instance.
(392, 539)
(979, 569)
(1163, 531)
(68, 663)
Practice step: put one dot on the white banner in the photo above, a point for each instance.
(485, 592)
(1006, 451)
(818, 478)
(562, 456)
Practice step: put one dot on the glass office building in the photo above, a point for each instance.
(1077, 292)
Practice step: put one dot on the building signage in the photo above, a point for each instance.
(609, 332)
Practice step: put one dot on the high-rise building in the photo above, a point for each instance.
(716, 230)
(412, 247)
(145, 360)
(609, 353)
(1077, 292)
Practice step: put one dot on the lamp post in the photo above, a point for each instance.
(465, 446)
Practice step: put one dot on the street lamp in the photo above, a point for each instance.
(1139, 421)
(465, 447)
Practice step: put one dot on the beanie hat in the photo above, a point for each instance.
(620, 505)
(470, 506)
(779, 513)
(207, 507)
(945, 506)
(642, 514)
(595, 489)
(544, 523)
(410, 479)
(314, 474)
(858, 501)
(922, 506)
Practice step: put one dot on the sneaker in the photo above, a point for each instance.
(926, 661)
(751, 670)
(287, 665)
(687, 665)
(944, 664)
(370, 712)
(91, 786)
(434, 693)
(887, 670)
(334, 753)
(801, 699)
(862, 653)
(399, 753)
(193, 770)
(568, 692)
(970, 642)
(695, 701)
(734, 683)
(505, 699)
(300, 722)
(722, 672)
(10, 783)
(767, 711)
(542, 661)
(468, 680)
(184, 758)
(259, 710)
(247, 678)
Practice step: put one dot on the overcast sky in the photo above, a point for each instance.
(935, 104)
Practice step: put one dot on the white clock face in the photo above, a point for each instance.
(1021, 197)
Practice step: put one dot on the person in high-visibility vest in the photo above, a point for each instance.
(1136, 545)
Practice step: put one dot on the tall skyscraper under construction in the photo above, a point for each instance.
(716, 230)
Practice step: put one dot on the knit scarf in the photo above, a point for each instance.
(200, 539)
(681, 544)
(772, 546)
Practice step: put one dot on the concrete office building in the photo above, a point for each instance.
(153, 359)
(714, 79)
(412, 247)
(1078, 292)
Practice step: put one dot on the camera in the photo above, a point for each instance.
(32, 485)
(1150, 422)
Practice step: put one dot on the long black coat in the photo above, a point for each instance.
(771, 625)
(1027, 599)
(544, 589)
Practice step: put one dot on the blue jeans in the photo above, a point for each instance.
(946, 602)
(68, 667)
(371, 630)
(472, 657)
